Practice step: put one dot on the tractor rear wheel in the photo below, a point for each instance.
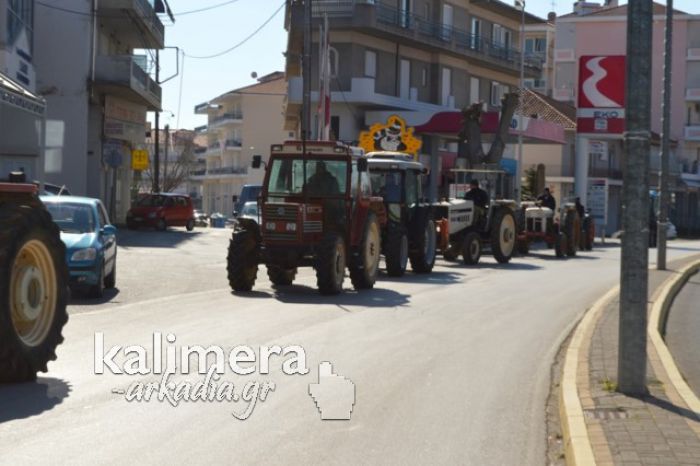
(471, 248)
(560, 244)
(242, 260)
(423, 255)
(588, 233)
(280, 276)
(572, 228)
(364, 266)
(330, 264)
(33, 292)
(396, 254)
(503, 235)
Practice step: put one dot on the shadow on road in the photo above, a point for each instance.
(550, 256)
(23, 400)
(492, 265)
(146, 238)
(376, 297)
(437, 277)
(78, 298)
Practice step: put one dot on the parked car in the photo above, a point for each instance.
(249, 211)
(249, 192)
(90, 239)
(161, 211)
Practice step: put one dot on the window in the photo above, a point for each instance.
(102, 212)
(475, 42)
(446, 86)
(535, 45)
(426, 11)
(370, 64)
(424, 77)
(333, 58)
(411, 187)
(474, 95)
(497, 91)
(324, 177)
(20, 15)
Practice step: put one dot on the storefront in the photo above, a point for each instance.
(22, 125)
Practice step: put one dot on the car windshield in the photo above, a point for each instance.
(251, 209)
(72, 217)
(386, 184)
(323, 177)
(151, 201)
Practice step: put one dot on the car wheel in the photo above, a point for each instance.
(190, 225)
(111, 279)
(161, 225)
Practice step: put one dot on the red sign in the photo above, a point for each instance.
(601, 94)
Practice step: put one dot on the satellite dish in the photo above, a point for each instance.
(254, 75)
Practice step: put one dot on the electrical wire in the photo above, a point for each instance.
(207, 8)
(231, 49)
(342, 94)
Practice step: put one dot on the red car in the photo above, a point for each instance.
(161, 211)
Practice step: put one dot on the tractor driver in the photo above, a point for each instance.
(480, 198)
(322, 182)
(547, 200)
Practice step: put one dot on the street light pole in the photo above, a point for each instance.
(519, 170)
(632, 354)
(665, 137)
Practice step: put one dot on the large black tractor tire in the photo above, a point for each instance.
(503, 235)
(396, 250)
(242, 260)
(471, 248)
(33, 292)
(588, 233)
(331, 258)
(280, 276)
(572, 228)
(451, 253)
(423, 251)
(364, 266)
(561, 244)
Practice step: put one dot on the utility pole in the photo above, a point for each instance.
(519, 171)
(632, 354)
(165, 160)
(664, 197)
(156, 148)
(306, 75)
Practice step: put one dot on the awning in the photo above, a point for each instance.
(13, 94)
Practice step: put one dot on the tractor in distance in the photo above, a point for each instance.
(316, 209)
(409, 233)
(466, 229)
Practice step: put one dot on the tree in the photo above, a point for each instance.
(470, 146)
(174, 171)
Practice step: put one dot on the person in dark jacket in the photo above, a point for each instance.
(547, 200)
(580, 208)
(476, 194)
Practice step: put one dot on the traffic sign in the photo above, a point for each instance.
(139, 159)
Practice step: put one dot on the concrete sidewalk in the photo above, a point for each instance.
(657, 429)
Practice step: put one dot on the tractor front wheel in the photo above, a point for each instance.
(330, 264)
(33, 292)
(572, 228)
(242, 260)
(364, 266)
(471, 248)
(503, 235)
(561, 244)
(423, 255)
(280, 276)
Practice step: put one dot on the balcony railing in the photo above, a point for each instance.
(232, 143)
(418, 28)
(141, 9)
(229, 116)
(227, 171)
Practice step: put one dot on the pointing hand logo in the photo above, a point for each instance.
(334, 394)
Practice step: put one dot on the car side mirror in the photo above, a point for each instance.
(257, 161)
(109, 230)
(362, 165)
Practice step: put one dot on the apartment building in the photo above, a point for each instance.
(539, 48)
(21, 110)
(415, 58)
(98, 90)
(241, 123)
(600, 29)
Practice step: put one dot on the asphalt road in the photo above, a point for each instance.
(450, 368)
(683, 329)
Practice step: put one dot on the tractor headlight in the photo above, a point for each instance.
(152, 215)
(291, 227)
(271, 226)
(87, 254)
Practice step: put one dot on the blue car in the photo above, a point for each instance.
(91, 242)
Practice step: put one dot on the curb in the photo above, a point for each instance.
(655, 330)
(577, 444)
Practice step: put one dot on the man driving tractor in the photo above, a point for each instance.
(322, 182)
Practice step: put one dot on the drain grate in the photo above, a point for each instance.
(605, 414)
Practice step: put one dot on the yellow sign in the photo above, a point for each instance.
(139, 159)
(390, 136)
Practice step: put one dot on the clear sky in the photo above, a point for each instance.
(215, 30)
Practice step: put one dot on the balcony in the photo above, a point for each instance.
(394, 24)
(134, 21)
(201, 129)
(225, 119)
(692, 133)
(219, 173)
(122, 76)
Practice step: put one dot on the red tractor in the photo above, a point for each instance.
(316, 210)
(33, 283)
